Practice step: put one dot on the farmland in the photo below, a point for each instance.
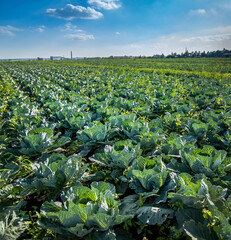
(115, 149)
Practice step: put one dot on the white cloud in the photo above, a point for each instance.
(41, 28)
(69, 27)
(208, 38)
(221, 30)
(117, 33)
(105, 4)
(203, 40)
(80, 36)
(75, 33)
(198, 12)
(70, 12)
(225, 6)
(8, 30)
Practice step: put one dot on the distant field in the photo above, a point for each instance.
(115, 149)
(221, 65)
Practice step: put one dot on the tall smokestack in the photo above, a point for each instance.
(71, 54)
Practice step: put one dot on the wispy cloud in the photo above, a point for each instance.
(225, 5)
(75, 33)
(212, 35)
(80, 36)
(207, 38)
(117, 33)
(197, 12)
(105, 4)
(70, 12)
(41, 28)
(8, 30)
(221, 30)
(204, 39)
(69, 27)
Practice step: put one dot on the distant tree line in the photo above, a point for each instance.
(194, 54)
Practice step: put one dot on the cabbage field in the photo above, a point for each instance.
(115, 149)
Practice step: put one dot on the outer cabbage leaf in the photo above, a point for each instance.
(11, 226)
(199, 231)
(154, 215)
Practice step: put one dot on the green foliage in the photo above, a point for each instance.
(40, 142)
(84, 210)
(115, 149)
(154, 215)
(54, 173)
(119, 159)
(11, 226)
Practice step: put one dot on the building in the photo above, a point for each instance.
(227, 55)
(56, 58)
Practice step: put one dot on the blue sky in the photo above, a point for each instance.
(91, 28)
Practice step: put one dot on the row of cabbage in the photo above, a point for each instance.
(113, 154)
(185, 64)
